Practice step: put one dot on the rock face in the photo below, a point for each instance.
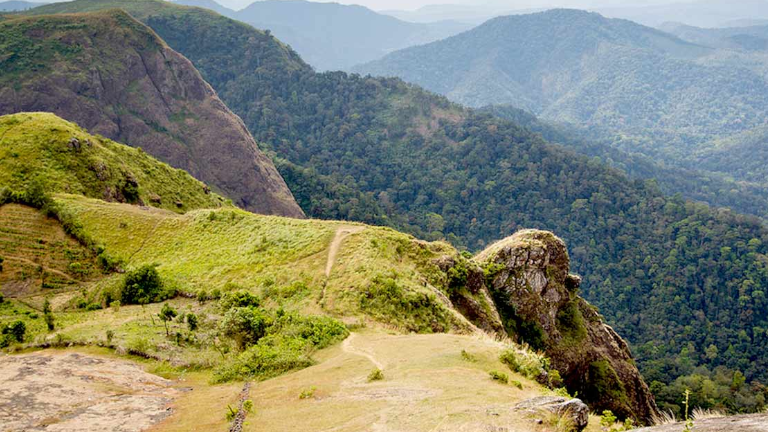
(560, 406)
(538, 302)
(115, 77)
(743, 423)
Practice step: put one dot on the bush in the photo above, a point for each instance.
(375, 375)
(16, 330)
(283, 344)
(142, 286)
(2, 260)
(499, 376)
(238, 299)
(245, 325)
(307, 393)
(49, 319)
(192, 321)
(2, 298)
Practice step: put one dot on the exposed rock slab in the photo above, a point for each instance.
(539, 304)
(65, 391)
(744, 423)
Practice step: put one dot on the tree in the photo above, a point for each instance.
(141, 286)
(48, 314)
(245, 325)
(166, 314)
(192, 321)
(16, 330)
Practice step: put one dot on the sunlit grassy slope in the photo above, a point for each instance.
(66, 158)
(377, 272)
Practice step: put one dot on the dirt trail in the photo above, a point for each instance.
(348, 348)
(49, 270)
(341, 234)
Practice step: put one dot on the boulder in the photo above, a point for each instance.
(575, 409)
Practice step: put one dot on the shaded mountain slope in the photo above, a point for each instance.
(331, 36)
(114, 76)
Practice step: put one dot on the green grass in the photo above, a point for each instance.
(36, 147)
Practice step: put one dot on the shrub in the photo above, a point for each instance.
(16, 330)
(467, 356)
(110, 335)
(2, 260)
(248, 405)
(192, 321)
(499, 376)
(2, 298)
(49, 319)
(115, 305)
(307, 393)
(517, 384)
(142, 286)
(238, 299)
(607, 419)
(376, 375)
(202, 296)
(166, 314)
(245, 325)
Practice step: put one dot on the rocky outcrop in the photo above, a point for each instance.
(538, 301)
(742, 423)
(574, 409)
(115, 77)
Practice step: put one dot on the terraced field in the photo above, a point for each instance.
(38, 255)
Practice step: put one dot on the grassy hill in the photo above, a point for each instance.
(381, 151)
(64, 158)
(113, 75)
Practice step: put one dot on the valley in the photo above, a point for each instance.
(552, 221)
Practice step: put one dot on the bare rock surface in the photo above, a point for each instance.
(560, 406)
(67, 391)
(743, 423)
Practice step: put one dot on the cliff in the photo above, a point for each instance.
(528, 278)
(114, 76)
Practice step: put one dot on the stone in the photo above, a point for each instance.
(559, 406)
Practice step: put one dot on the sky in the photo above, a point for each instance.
(512, 4)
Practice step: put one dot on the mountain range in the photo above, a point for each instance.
(640, 89)
(386, 152)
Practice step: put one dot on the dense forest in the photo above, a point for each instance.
(646, 92)
(680, 280)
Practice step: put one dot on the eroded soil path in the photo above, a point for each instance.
(341, 234)
(70, 391)
(351, 349)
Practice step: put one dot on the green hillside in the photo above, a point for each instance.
(111, 74)
(650, 93)
(40, 148)
(382, 151)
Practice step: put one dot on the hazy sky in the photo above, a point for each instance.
(512, 4)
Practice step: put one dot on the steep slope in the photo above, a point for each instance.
(652, 93)
(331, 36)
(378, 150)
(64, 158)
(346, 271)
(114, 76)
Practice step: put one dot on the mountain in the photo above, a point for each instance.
(382, 151)
(752, 38)
(13, 6)
(634, 83)
(208, 4)
(114, 76)
(331, 36)
(701, 13)
(384, 276)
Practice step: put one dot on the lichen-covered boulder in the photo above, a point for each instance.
(537, 299)
(574, 409)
